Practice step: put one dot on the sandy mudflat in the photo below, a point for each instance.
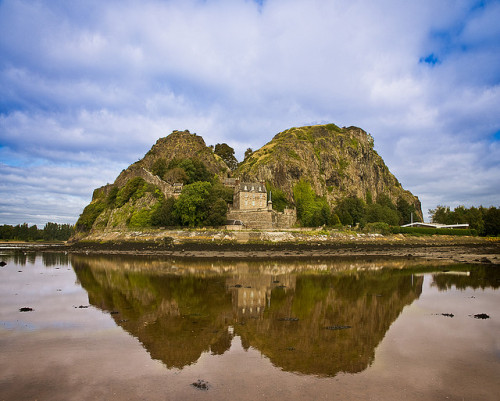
(460, 250)
(475, 250)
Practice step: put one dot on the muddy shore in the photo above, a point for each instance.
(472, 250)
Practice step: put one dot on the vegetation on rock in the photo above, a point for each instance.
(338, 163)
(329, 174)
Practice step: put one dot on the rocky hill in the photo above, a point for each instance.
(176, 184)
(337, 162)
(139, 192)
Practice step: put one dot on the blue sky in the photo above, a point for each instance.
(87, 87)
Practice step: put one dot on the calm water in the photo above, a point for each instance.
(130, 328)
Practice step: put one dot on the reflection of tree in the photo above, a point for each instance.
(175, 317)
(55, 259)
(179, 311)
(477, 277)
(314, 344)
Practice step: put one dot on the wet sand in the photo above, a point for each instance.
(473, 250)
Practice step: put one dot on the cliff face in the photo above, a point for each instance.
(337, 162)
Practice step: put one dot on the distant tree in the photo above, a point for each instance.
(248, 153)
(159, 167)
(492, 222)
(405, 211)
(483, 220)
(194, 168)
(191, 207)
(226, 153)
(385, 200)
(369, 198)
(164, 214)
(312, 210)
(176, 175)
(351, 211)
(441, 214)
(278, 197)
(377, 213)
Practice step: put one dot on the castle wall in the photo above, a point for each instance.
(263, 218)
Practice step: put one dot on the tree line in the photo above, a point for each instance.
(314, 210)
(24, 232)
(486, 221)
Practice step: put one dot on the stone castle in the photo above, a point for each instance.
(252, 208)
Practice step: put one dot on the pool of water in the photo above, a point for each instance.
(128, 328)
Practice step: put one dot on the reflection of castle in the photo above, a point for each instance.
(251, 295)
(252, 207)
(286, 314)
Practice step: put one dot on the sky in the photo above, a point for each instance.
(88, 86)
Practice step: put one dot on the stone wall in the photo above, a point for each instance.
(264, 219)
(168, 190)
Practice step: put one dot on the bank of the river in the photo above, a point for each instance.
(284, 244)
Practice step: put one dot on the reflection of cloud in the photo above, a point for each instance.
(91, 86)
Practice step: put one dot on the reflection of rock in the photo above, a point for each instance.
(336, 301)
(172, 316)
(309, 322)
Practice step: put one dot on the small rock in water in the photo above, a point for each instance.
(447, 314)
(201, 385)
(25, 309)
(288, 319)
(337, 327)
(81, 307)
(481, 316)
(2, 264)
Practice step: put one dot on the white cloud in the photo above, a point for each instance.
(92, 85)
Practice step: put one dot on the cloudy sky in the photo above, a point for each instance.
(87, 87)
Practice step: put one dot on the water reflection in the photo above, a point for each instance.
(481, 277)
(23, 257)
(309, 318)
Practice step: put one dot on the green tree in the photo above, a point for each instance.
(164, 214)
(159, 167)
(312, 210)
(441, 214)
(226, 153)
(278, 197)
(405, 211)
(191, 207)
(492, 222)
(351, 211)
(194, 169)
(248, 153)
(376, 213)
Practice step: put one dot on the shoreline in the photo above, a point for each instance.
(470, 250)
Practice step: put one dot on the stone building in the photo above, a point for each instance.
(252, 207)
(250, 195)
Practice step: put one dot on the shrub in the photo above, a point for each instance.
(378, 227)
